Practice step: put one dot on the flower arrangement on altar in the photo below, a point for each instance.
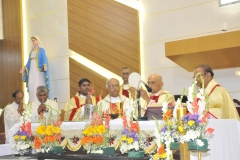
(130, 136)
(96, 136)
(23, 138)
(192, 126)
(163, 134)
(133, 141)
(22, 141)
(48, 135)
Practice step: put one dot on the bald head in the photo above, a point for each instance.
(113, 87)
(155, 82)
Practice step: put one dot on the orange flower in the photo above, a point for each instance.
(37, 142)
(169, 113)
(85, 140)
(99, 140)
(161, 150)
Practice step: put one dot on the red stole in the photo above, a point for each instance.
(75, 109)
(209, 95)
(125, 93)
(155, 98)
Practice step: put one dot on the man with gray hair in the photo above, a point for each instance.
(125, 88)
(43, 106)
(114, 102)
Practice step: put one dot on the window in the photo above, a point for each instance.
(227, 2)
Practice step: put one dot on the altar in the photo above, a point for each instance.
(224, 144)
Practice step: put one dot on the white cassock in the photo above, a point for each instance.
(11, 117)
(51, 105)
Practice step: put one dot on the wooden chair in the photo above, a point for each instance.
(62, 115)
(2, 138)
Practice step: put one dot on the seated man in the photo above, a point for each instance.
(220, 102)
(158, 95)
(43, 106)
(113, 102)
(74, 108)
(13, 112)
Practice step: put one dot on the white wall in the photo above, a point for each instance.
(48, 20)
(169, 20)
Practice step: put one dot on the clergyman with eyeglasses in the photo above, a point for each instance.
(124, 88)
(220, 102)
(158, 94)
(114, 102)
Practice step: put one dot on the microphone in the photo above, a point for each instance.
(147, 87)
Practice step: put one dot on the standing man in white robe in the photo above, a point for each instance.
(13, 112)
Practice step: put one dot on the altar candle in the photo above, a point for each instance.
(181, 112)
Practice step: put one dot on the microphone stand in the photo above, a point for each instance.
(140, 118)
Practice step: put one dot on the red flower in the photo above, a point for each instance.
(209, 130)
(124, 121)
(134, 127)
(107, 119)
(195, 106)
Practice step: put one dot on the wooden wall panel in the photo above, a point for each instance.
(79, 71)
(10, 53)
(106, 32)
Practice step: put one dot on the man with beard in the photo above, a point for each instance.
(74, 108)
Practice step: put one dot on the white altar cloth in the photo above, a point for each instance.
(5, 149)
(224, 145)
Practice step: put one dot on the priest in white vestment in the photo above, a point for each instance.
(43, 106)
(13, 112)
(114, 102)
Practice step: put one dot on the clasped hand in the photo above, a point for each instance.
(42, 108)
(20, 108)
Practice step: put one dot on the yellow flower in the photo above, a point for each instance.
(16, 137)
(41, 129)
(155, 156)
(23, 137)
(88, 131)
(93, 130)
(130, 140)
(164, 155)
(191, 122)
(180, 128)
(56, 129)
(101, 129)
(49, 130)
(124, 138)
